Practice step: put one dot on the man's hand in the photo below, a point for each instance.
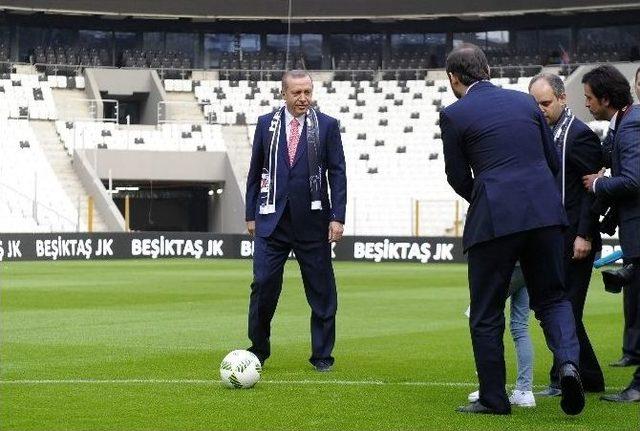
(251, 227)
(588, 180)
(581, 248)
(335, 231)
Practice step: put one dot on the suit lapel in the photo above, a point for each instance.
(283, 148)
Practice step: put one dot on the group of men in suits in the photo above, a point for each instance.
(531, 172)
(533, 199)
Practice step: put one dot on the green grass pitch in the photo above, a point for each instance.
(136, 345)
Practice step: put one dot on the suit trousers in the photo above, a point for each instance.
(631, 301)
(314, 259)
(577, 278)
(491, 265)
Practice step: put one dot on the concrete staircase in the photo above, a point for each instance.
(239, 150)
(72, 105)
(61, 164)
(182, 107)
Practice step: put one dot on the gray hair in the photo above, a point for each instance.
(294, 74)
(554, 81)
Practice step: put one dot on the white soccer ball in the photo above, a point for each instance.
(240, 369)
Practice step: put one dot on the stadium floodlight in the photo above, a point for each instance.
(128, 188)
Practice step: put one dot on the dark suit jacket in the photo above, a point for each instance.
(503, 138)
(582, 156)
(293, 182)
(623, 187)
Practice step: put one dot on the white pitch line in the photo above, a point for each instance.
(211, 382)
(273, 382)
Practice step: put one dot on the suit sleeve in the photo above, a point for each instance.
(456, 165)
(337, 173)
(585, 155)
(255, 175)
(550, 152)
(627, 183)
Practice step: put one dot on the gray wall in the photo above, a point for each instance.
(206, 167)
(125, 82)
(103, 202)
(575, 88)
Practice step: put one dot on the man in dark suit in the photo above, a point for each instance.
(631, 299)
(608, 97)
(500, 156)
(579, 152)
(297, 156)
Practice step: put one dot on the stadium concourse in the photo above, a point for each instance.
(389, 129)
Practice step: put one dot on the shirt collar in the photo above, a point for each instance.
(565, 113)
(474, 83)
(288, 116)
(612, 123)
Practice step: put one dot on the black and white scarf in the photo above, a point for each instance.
(560, 132)
(268, 185)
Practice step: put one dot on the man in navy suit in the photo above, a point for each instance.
(608, 97)
(579, 152)
(297, 157)
(499, 156)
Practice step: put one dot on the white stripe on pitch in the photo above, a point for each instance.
(211, 382)
(273, 382)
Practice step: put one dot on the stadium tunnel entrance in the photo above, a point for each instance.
(167, 205)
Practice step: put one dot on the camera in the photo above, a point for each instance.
(615, 279)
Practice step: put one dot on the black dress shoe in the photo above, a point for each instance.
(572, 401)
(591, 388)
(478, 408)
(625, 361)
(323, 366)
(629, 395)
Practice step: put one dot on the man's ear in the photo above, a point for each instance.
(453, 79)
(563, 98)
(605, 101)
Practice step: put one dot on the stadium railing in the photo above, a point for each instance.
(514, 71)
(39, 210)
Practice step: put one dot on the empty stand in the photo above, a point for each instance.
(32, 199)
(26, 96)
(165, 137)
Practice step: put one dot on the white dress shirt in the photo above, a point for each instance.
(612, 127)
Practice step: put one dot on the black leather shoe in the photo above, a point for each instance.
(478, 408)
(323, 366)
(572, 401)
(629, 395)
(549, 392)
(625, 361)
(593, 388)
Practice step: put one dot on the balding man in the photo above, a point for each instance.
(580, 154)
(297, 157)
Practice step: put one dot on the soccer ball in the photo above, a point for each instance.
(240, 369)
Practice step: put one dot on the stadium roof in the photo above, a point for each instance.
(208, 10)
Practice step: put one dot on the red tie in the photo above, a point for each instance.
(293, 140)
